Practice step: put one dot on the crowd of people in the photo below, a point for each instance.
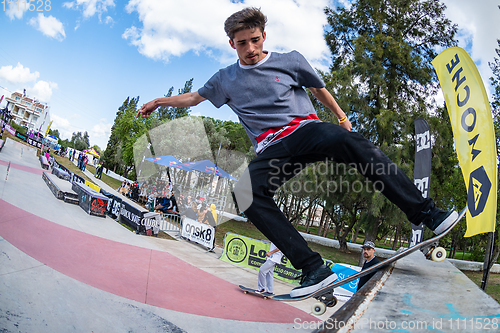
(158, 194)
(198, 210)
(130, 190)
(82, 161)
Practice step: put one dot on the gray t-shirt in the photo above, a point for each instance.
(267, 97)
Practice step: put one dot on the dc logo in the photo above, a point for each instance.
(478, 192)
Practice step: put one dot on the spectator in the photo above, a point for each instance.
(370, 260)
(85, 160)
(208, 218)
(191, 212)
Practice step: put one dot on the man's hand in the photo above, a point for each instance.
(147, 109)
(178, 101)
(346, 124)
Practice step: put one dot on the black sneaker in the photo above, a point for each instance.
(439, 220)
(314, 281)
(266, 293)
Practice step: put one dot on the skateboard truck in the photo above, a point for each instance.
(434, 252)
(326, 299)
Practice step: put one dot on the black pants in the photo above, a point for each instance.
(311, 143)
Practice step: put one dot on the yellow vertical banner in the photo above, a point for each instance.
(48, 129)
(472, 124)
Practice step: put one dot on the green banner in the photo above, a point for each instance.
(251, 253)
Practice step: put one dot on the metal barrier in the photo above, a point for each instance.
(171, 222)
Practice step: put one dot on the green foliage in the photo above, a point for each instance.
(55, 133)
(80, 141)
(119, 153)
(19, 128)
(382, 77)
(381, 53)
(236, 134)
(168, 113)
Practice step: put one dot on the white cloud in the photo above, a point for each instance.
(63, 125)
(43, 90)
(18, 74)
(101, 130)
(170, 28)
(109, 21)
(12, 10)
(478, 30)
(49, 26)
(90, 7)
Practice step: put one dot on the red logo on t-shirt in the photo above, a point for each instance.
(277, 79)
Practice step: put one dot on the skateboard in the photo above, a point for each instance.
(253, 292)
(325, 296)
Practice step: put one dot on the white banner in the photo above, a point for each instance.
(151, 220)
(200, 233)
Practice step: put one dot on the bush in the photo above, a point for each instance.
(477, 254)
(19, 128)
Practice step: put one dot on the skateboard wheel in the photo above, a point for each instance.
(318, 309)
(438, 254)
(332, 302)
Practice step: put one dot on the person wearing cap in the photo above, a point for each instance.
(370, 260)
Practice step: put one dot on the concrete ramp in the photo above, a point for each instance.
(422, 296)
(19, 153)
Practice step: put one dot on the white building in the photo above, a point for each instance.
(28, 112)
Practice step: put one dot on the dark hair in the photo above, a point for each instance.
(248, 18)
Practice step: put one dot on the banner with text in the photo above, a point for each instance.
(251, 253)
(201, 233)
(421, 171)
(472, 124)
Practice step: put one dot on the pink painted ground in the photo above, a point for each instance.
(148, 276)
(23, 167)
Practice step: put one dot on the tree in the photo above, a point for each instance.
(80, 141)
(382, 76)
(169, 113)
(55, 133)
(119, 153)
(381, 57)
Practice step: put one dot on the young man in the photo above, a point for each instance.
(370, 260)
(266, 271)
(265, 90)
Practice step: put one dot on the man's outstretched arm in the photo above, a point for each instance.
(179, 101)
(327, 100)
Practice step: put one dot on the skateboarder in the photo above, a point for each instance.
(370, 260)
(265, 90)
(265, 279)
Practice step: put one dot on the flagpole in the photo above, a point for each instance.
(488, 256)
(215, 169)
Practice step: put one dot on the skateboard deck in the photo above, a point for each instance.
(427, 247)
(253, 292)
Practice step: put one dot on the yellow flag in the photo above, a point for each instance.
(48, 129)
(472, 124)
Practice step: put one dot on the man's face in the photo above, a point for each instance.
(249, 45)
(368, 253)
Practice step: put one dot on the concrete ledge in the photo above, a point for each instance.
(473, 265)
(421, 296)
(343, 319)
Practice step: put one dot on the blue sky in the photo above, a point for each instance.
(85, 57)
